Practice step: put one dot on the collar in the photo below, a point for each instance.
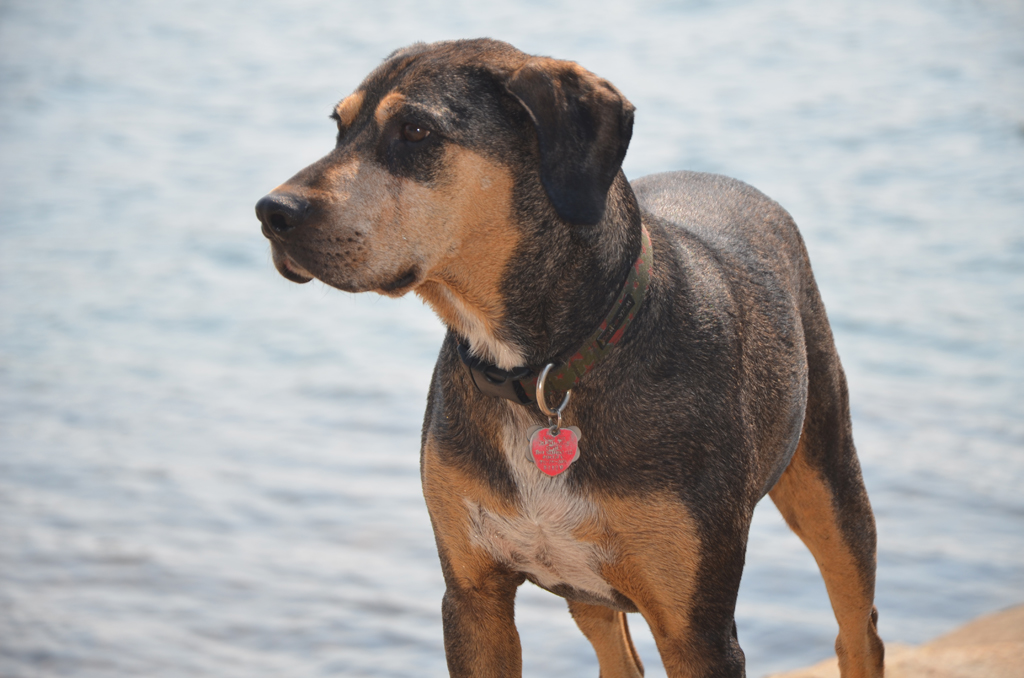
(520, 383)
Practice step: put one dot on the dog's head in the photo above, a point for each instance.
(442, 154)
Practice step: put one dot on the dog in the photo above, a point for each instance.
(628, 368)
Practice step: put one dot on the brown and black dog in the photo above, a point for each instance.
(488, 182)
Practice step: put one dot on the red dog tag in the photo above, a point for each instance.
(554, 453)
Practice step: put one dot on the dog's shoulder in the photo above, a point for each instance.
(716, 222)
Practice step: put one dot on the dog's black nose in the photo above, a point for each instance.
(281, 212)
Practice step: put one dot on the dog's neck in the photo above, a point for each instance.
(556, 289)
(570, 277)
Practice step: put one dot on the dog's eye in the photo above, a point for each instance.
(414, 133)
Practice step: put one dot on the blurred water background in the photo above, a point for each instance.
(206, 470)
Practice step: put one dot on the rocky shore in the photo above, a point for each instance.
(988, 647)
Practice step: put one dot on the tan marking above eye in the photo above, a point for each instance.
(348, 109)
(387, 107)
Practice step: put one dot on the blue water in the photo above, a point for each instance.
(206, 470)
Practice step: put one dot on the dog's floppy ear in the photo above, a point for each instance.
(583, 125)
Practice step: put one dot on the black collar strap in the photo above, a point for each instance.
(520, 383)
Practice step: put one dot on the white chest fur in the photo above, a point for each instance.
(540, 539)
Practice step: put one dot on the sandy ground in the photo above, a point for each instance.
(989, 647)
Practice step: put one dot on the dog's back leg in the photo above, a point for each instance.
(608, 631)
(821, 495)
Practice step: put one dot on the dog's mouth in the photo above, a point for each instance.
(295, 272)
(400, 285)
(287, 267)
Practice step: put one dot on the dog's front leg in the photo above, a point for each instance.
(480, 637)
(478, 609)
(608, 631)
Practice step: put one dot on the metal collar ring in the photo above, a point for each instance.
(542, 400)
